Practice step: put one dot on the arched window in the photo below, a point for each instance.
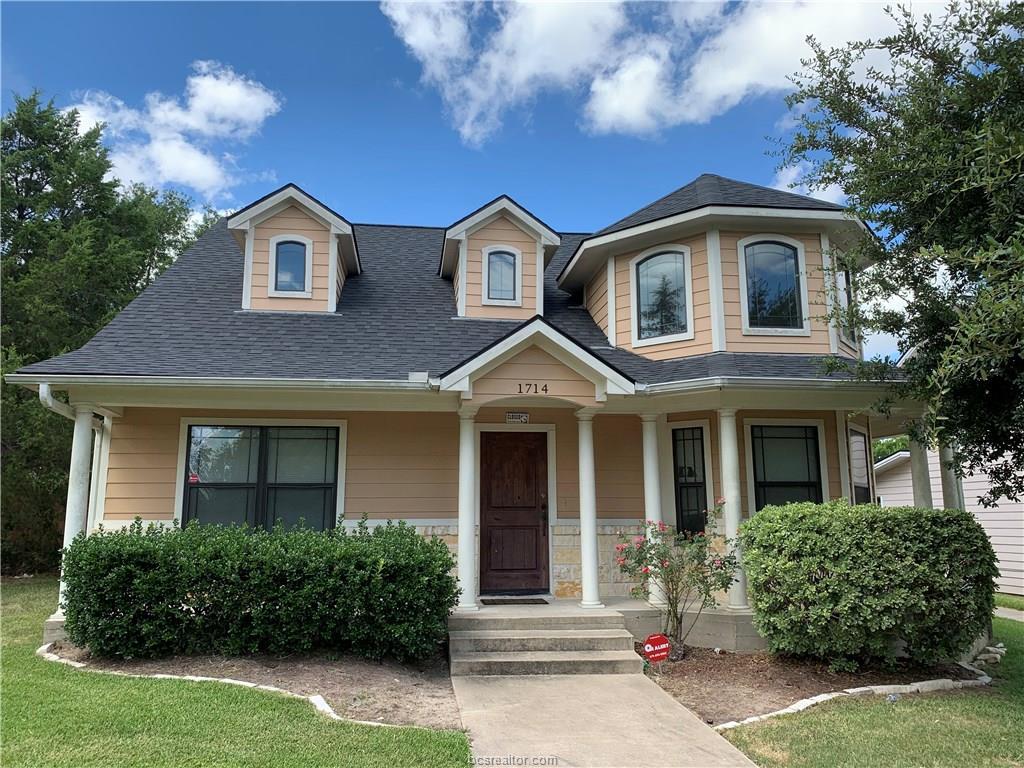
(291, 266)
(774, 298)
(501, 276)
(661, 295)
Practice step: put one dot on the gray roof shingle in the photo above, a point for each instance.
(397, 317)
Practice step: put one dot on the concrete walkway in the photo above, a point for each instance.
(1010, 613)
(612, 721)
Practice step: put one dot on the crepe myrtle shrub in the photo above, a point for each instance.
(853, 584)
(152, 591)
(685, 569)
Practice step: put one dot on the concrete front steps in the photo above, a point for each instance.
(544, 641)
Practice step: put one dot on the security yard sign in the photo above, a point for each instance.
(656, 648)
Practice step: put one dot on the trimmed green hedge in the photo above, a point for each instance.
(152, 592)
(843, 583)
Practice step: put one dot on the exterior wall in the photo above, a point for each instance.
(502, 231)
(291, 221)
(700, 295)
(597, 299)
(566, 573)
(1004, 524)
(533, 368)
(735, 341)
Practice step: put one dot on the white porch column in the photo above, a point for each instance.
(729, 455)
(588, 513)
(652, 483)
(77, 508)
(467, 512)
(951, 496)
(920, 475)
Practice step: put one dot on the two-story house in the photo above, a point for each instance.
(526, 393)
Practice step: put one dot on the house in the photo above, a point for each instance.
(526, 393)
(1004, 523)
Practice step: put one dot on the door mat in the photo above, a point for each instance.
(513, 601)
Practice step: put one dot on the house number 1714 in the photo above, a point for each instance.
(532, 388)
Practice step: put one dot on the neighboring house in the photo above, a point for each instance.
(495, 380)
(1003, 523)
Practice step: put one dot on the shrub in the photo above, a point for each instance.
(844, 583)
(149, 592)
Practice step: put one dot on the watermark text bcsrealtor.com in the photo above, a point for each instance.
(518, 761)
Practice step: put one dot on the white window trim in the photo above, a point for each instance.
(486, 251)
(634, 299)
(749, 450)
(870, 462)
(709, 476)
(307, 292)
(802, 266)
(850, 339)
(552, 486)
(217, 421)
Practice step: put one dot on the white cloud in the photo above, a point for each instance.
(791, 178)
(181, 141)
(643, 68)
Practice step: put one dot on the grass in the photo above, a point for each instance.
(54, 715)
(1010, 601)
(979, 727)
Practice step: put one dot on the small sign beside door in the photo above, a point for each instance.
(513, 417)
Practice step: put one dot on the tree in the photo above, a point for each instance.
(662, 317)
(924, 131)
(75, 248)
(884, 447)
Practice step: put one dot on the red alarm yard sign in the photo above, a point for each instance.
(656, 648)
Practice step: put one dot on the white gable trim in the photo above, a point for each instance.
(540, 334)
(281, 199)
(507, 206)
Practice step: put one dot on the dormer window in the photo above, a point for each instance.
(502, 276)
(774, 292)
(662, 286)
(291, 266)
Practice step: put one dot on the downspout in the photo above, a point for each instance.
(53, 404)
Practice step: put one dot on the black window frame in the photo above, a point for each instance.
(685, 519)
(639, 290)
(261, 487)
(752, 322)
(817, 486)
(515, 269)
(277, 268)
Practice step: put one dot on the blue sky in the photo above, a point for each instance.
(419, 113)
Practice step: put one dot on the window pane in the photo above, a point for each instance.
(691, 490)
(291, 267)
(773, 286)
(223, 454)
(301, 455)
(501, 276)
(222, 506)
(786, 464)
(786, 494)
(661, 289)
(859, 467)
(290, 505)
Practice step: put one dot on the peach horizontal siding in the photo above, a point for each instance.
(597, 299)
(736, 341)
(291, 221)
(528, 373)
(501, 231)
(699, 294)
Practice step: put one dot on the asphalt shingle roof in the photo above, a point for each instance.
(397, 317)
(710, 189)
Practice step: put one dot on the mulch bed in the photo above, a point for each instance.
(356, 688)
(733, 686)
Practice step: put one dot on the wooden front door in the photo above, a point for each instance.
(513, 512)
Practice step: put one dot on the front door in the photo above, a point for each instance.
(513, 512)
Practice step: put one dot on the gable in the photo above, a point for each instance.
(536, 374)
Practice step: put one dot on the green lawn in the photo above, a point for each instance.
(54, 715)
(980, 727)
(1010, 601)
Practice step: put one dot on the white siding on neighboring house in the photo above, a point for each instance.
(1004, 524)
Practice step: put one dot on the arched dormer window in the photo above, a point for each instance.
(773, 285)
(662, 295)
(502, 282)
(291, 267)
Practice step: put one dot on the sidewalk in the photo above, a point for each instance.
(620, 721)
(1010, 613)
